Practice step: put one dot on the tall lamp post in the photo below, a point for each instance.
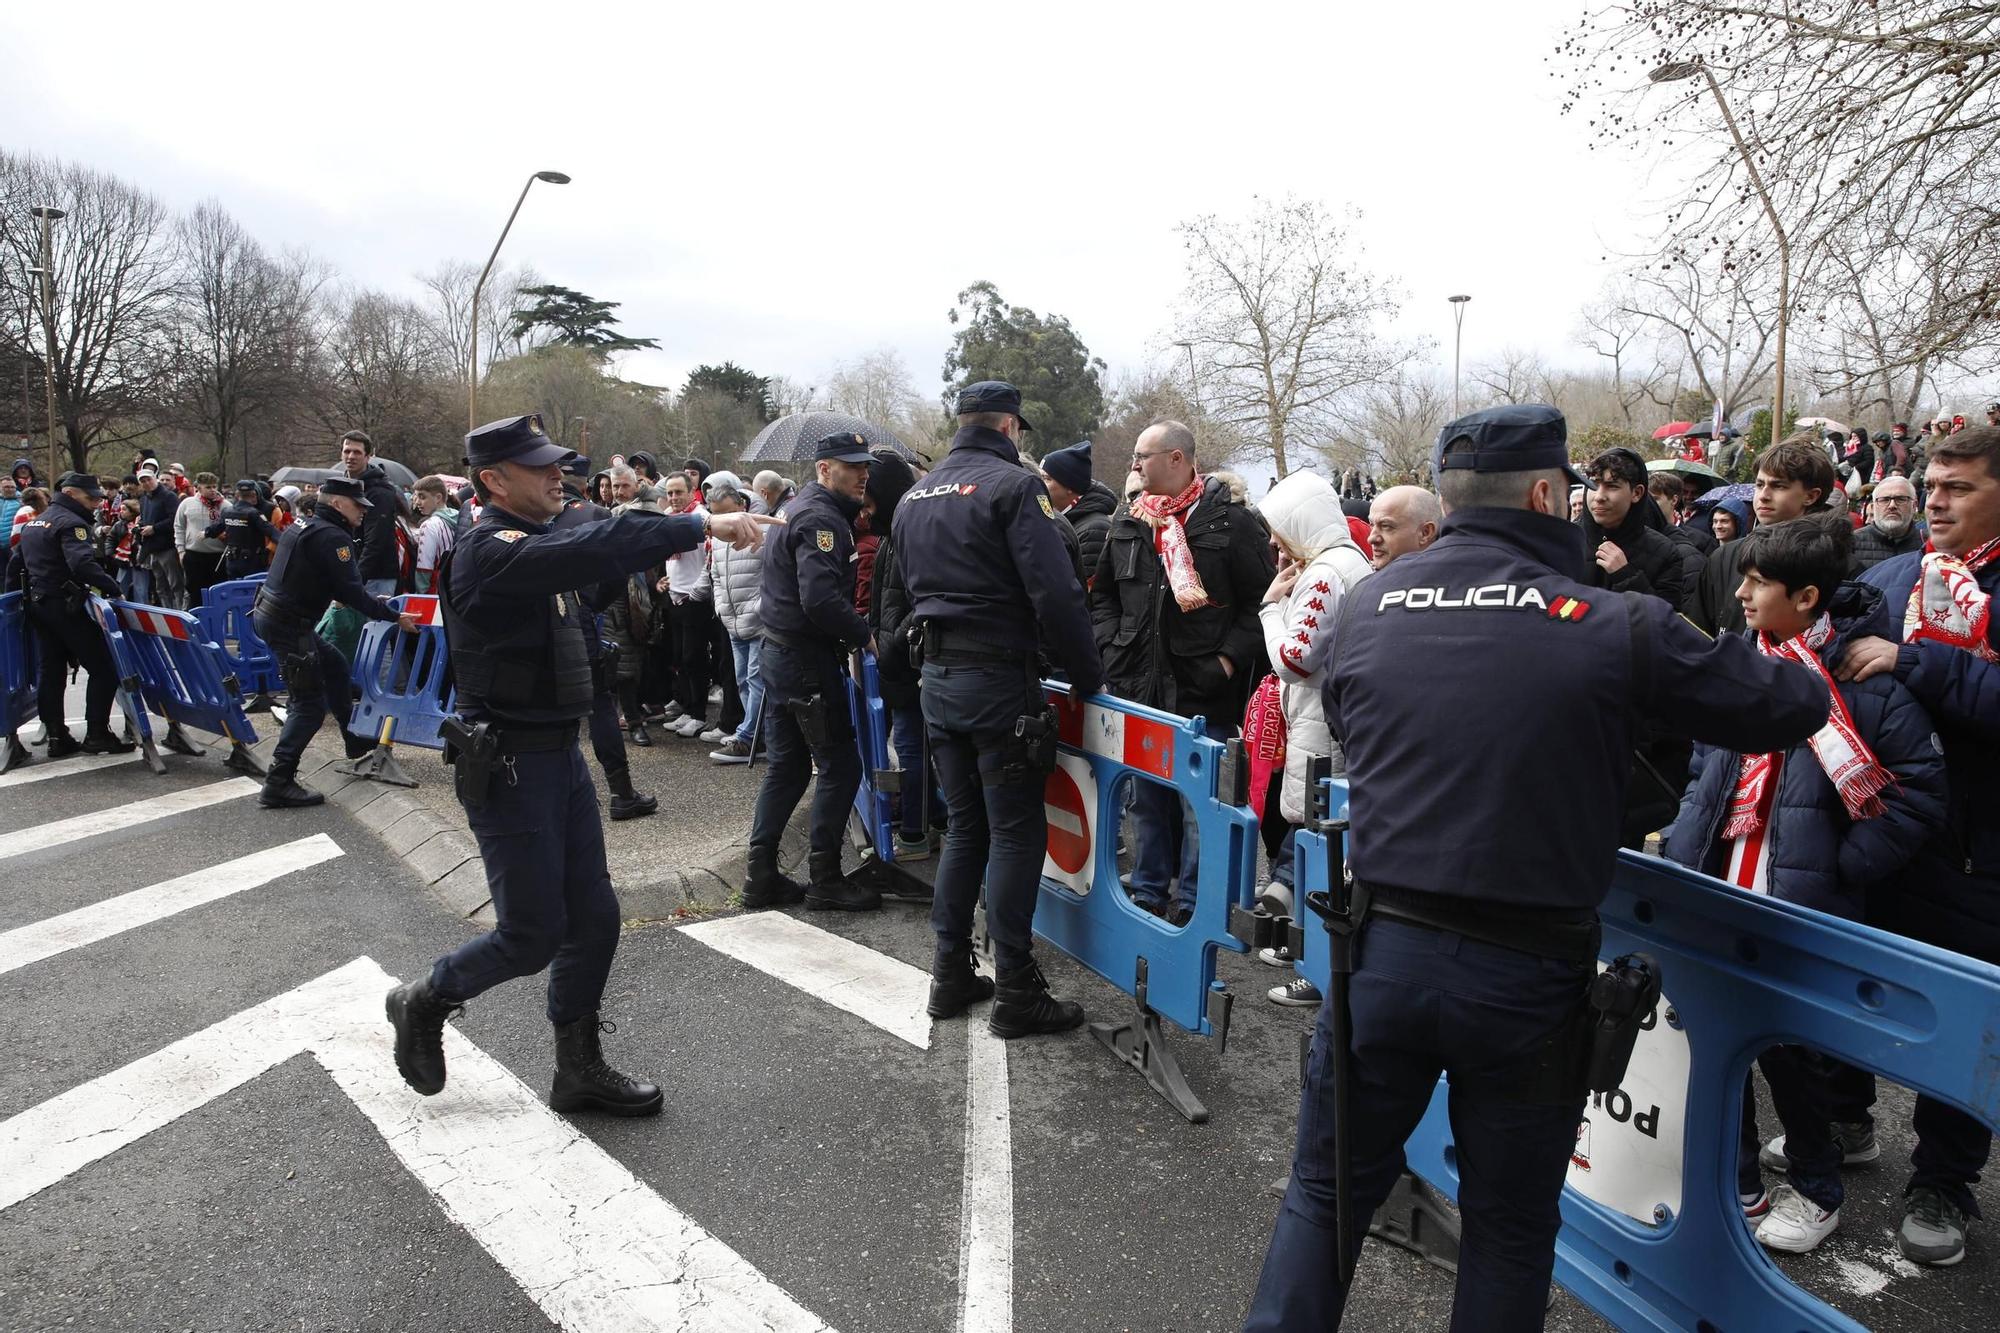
(472, 385)
(49, 215)
(1457, 341)
(1687, 69)
(1194, 387)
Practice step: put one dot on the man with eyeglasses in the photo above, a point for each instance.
(1892, 529)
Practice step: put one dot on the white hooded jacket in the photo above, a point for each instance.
(1304, 512)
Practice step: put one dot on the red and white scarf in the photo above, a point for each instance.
(1850, 765)
(1163, 513)
(1264, 737)
(1948, 606)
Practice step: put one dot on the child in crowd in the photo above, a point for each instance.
(1817, 825)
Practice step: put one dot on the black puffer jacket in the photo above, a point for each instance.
(1157, 654)
(1653, 563)
(379, 557)
(1090, 516)
(1872, 545)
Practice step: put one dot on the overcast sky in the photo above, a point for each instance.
(789, 185)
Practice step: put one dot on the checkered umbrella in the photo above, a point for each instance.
(791, 439)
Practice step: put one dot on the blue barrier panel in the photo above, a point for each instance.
(167, 665)
(224, 614)
(880, 778)
(20, 676)
(406, 691)
(1653, 1235)
(1084, 910)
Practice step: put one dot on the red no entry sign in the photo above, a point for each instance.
(1069, 823)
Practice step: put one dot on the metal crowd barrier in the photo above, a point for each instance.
(225, 617)
(167, 665)
(1653, 1234)
(20, 676)
(406, 691)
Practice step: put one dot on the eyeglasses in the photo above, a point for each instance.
(1139, 456)
(1895, 499)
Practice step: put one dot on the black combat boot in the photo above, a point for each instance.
(62, 744)
(955, 986)
(765, 886)
(357, 747)
(626, 803)
(585, 1083)
(282, 792)
(418, 1014)
(101, 740)
(1022, 1006)
(830, 891)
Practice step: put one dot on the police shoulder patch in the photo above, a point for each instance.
(82, 535)
(823, 539)
(507, 535)
(1047, 508)
(344, 552)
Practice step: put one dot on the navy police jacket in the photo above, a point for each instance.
(1951, 895)
(319, 563)
(56, 552)
(809, 571)
(1821, 857)
(982, 553)
(1488, 699)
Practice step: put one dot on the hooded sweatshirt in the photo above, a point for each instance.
(1304, 513)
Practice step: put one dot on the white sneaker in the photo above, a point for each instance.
(1294, 994)
(1277, 956)
(690, 727)
(1795, 1224)
(715, 735)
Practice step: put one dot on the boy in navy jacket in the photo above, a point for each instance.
(1817, 825)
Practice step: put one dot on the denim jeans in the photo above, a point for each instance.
(915, 800)
(749, 654)
(1164, 844)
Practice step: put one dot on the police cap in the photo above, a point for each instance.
(246, 484)
(576, 465)
(843, 446)
(347, 488)
(513, 440)
(82, 481)
(991, 396)
(1519, 437)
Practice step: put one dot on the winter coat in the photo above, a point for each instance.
(867, 542)
(156, 510)
(1951, 896)
(9, 506)
(1653, 563)
(1872, 545)
(737, 580)
(380, 556)
(1712, 606)
(34, 477)
(1304, 514)
(1155, 653)
(1820, 856)
(889, 615)
(628, 622)
(1090, 517)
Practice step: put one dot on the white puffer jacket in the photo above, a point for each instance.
(1305, 515)
(738, 580)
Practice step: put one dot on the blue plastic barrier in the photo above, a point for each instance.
(225, 617)
(167, 665)
(1742, 973)
(406, 691)
(1084, 911)
(880, 778)
(20, 676)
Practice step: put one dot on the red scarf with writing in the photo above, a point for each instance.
(1948, 606)
(1849, 764)
(1162, 513)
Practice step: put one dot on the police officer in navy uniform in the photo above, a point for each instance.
(810, 623)
(318, 563)
(519, 638)
(244, 528)
(989, 576)
(1487, 697)
(59, 565)
(607, 741)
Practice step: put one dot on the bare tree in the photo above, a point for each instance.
(380, 369)
(113, 285)
(571, 385)
(1403, 416)
(1285, 323)
(448, 308)
(1715, 328)
(1629, 353)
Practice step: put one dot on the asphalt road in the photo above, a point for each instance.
(827, 1154)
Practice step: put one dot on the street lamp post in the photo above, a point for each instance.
(1457, 340)
(472, 382)
(49, 215)
(1687, 69)
(1194, 388)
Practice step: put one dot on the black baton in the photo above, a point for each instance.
(1341, 911)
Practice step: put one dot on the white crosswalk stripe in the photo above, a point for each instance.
(63, 768)
(21, 841)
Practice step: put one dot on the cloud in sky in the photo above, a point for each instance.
(787, 186)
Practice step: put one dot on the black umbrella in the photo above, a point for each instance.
(791, 439)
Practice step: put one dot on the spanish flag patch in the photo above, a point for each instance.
(1567, 608)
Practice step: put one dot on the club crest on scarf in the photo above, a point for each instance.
(1948, 606)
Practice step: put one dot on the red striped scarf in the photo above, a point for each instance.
(1163, 513)
(1948, 606)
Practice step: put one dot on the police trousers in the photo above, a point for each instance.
(543, 844)
(793, 675)
(999, 830)
(64, 636)
(306, 707)
(1426, 1002)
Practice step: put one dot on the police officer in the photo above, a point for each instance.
(519, 652)
(317, 564)
(59, 566)
(809, 625)
(982, 554)
(244, 529)
(1487, 697)
(607, 742)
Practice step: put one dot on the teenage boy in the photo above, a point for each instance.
(1818, 825)
(1794, 477)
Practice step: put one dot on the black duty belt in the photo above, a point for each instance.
(270, 604)
(1566, 934)
(803, 643)
(954, 647)
(532, 740)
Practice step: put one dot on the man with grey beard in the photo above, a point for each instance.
(1892, 530)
